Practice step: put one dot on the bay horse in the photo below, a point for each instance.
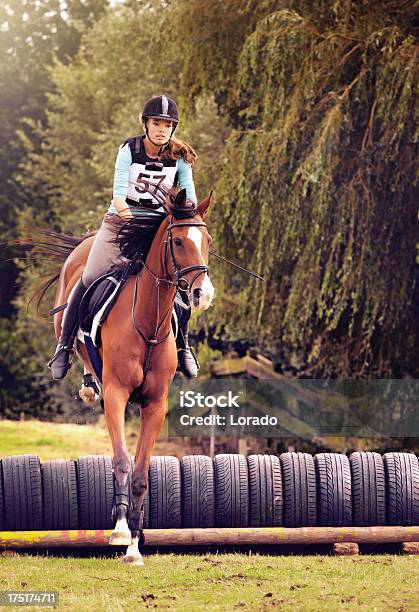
(138, 348)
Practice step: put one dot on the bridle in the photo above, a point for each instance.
(176, 279)
(180, 272)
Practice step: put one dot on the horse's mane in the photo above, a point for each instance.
(136, 235)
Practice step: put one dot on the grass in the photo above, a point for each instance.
(53, 440)
(70, 441)
(220, 582)
(194, 582)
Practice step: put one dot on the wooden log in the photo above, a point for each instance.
(46, 539)
(345, 549)
(410, 548)
(228, 536)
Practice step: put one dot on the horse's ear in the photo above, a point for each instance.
(203, 207)
(180, 199)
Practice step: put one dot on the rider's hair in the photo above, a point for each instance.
(177, 148)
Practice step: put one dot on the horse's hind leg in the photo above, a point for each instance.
(152, 419)
(90, 390)
(115, 401)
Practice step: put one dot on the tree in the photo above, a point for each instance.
(92, 108)
(31, 35)
(318, 187)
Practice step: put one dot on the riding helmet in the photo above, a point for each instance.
(161, 107)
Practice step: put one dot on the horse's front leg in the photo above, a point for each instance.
(115, 396)
(152, 419)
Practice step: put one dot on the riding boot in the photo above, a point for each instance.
(60, 363)
(188, 364)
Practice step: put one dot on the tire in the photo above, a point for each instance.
(22, 493)
(165, 493)
(59, 488)
(95, 491)
(402, 488)
(333, 490)
(2, 516)
(198, 491)
(265, 491)
(146, 505)
(368, 489)
(299, 490)
(231, 491)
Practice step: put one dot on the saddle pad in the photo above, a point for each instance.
(97, 295)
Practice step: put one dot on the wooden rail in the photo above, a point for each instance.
(217, 536)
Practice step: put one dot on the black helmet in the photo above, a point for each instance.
(161, 107)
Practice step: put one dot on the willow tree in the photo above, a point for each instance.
(317, 189)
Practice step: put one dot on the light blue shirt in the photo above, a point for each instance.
(123, 163)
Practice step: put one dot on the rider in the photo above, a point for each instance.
(157, 157)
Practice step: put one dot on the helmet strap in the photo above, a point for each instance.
(163, 146)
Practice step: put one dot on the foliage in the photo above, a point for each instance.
(93, 107)
(317, 193)
(303, 114)
(31, 35)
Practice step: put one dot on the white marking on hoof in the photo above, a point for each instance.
(120, 538)
(122, 525)
(133, 560)
(88, 395)
(133, 550)
(121, 535)
(133, 555)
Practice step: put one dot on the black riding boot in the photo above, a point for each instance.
(188, 364)
(60, 363)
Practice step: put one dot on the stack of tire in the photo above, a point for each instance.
(293, 490)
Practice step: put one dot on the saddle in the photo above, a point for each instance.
(96, 305)
(98, 300)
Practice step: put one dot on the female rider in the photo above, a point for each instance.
(157, 157)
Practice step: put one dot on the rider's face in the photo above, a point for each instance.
(159, 130)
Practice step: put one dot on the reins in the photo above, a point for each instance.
(178, 274)
(160, 194)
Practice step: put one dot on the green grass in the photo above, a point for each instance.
(53, 440)
(194, 582)
(220, 582)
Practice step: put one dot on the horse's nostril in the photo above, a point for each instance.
(196, 296)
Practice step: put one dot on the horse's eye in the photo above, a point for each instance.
(177, 241)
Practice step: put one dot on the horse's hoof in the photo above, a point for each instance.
(131, 560)
(120, 538)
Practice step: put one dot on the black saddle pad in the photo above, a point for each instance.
(97, 294)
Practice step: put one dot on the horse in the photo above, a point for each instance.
(138, 350)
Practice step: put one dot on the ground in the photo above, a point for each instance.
(220, 582)
(193, 582)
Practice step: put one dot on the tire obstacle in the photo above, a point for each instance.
(232, 500)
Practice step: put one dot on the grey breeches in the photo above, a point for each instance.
(104, 254)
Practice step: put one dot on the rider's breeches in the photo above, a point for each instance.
(104, 254)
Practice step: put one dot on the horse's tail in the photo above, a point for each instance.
(56, 246)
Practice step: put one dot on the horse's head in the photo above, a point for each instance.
(188, 248)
